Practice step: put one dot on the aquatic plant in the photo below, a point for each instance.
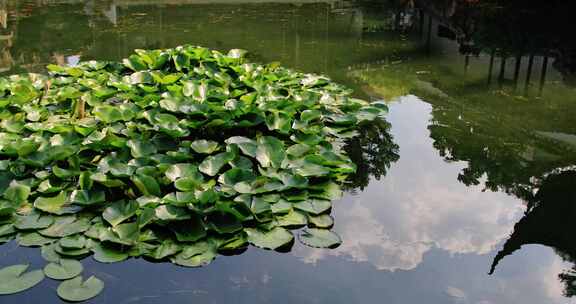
(173, 155)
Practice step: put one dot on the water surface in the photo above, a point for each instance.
(481, 143)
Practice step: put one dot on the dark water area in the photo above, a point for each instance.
(482, 99)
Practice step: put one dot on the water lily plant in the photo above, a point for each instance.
(172, 155)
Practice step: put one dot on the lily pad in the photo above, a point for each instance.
(313, 206)
(270, 152)
(319, 238)
(14, 279)
(77, 290)
(196, 254)
(273, 239)
(51, 204)
(33, 239)
(204, 146)
(66, 225)
(108, 254)
(119, 211)
(63, 270)
(33, 221)
(321, 221)
(212, 164)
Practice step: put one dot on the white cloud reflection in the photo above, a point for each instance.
(418, 206)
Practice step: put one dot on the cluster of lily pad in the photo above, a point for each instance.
(176, 155)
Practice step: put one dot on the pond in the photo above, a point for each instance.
(473, 175)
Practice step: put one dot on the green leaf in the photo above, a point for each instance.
(51, 204)
(292, 219)
(49, 253)
(195, 255)
(166, 249)
(313, 206)
(171, 213)
(236, 175)
(177, 171)
(141, 77)
(319, 238)
(224, 222)
(212, 164)
(189, 230)
(76, 253)
(140, 148)
(73, 242)
(321, 221)
(135, 63)
(309, 115)
(17, 193)
(33, 221)
(77, 290)
(270, 152)
(279, 121)
(281, 207)
(119, 211)
(87, 197)
(33, 239)
(14, 279)
(63, 270)
(204, 146)
(66, 225)
(298, 150)
(108, 114)
(272, 239)
(108, 254)
(311, 169)
(7, 229)
(246, 145)
(147, 185)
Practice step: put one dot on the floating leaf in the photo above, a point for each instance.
(273, 239)
(292, 219)
(319, 238)
(87, 197)
(119, 211)
(177, 171)
(33, 239)
(166, 249)
(246, 145)
(212, 164)
(204, 146)
(63, 270)
(147, 185)
(77, 290)
(17, 193)
(34, 221)
(51, 204)
(172, 213)
(66, 225)
(270, 152)
(108, 254)
(321, 221)
(14, 279)
(313, 206)
(196, 254)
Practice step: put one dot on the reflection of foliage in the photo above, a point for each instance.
(549, 221)
(514, 28)
(505, 140)
(568, 278)
(373, 150)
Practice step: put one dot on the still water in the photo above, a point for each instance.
(480, 178)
